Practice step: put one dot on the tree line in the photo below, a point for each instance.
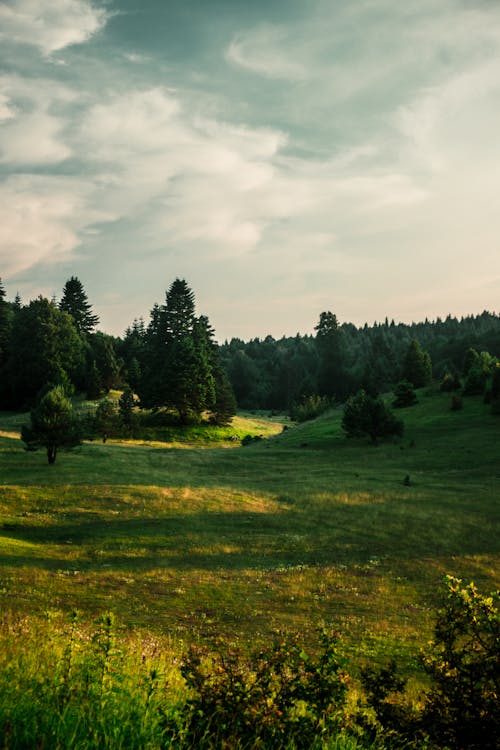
(174, 364)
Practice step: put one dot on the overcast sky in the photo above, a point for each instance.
(283, 156)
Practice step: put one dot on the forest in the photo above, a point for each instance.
(173, 362)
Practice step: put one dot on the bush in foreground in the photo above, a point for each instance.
(84, 689)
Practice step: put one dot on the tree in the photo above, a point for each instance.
(53, 424)
(417, 368)
(105, 418)
(102, 351)
(74, 301)
(366, 415)
(404, 395)
(330, 345)
(179, 357)
(126, 409)
(4, 325)
(45, 350)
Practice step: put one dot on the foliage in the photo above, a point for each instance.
(45, 350)
(404, 395)
(126, 405)
(280, 696)
(330, 346)
(74, 301)
(417, 368)
(463, 662)
(366, 415)
(309, 407)
(53, 425)
(106, 419)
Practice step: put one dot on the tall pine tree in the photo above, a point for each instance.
(74, 301)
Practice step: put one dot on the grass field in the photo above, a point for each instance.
(194, 540)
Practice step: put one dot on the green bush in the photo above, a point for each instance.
(279, 697)
(309, 407)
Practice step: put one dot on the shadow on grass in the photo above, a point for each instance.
(211, 540)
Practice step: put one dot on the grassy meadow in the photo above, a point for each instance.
(194, 539)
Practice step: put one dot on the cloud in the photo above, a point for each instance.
(263, 50)
(42, 218)
(51, 25)
(31, 134)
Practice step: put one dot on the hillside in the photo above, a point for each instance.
(290, 531)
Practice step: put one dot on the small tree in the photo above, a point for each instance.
(126, 410)
(404, 395)
(53, 424)
(366, 415)
(105, 418)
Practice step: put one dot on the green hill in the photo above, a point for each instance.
(297, 529)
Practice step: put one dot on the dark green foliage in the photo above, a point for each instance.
(404, 395)
(366, 415)
(93, 382)
(281, 695)
(309, 407)
(330, 345)
(74, 301)
(224, 407)
(53, 425)
(45, 350)
(180, 357)
(4, 326)
(126, 411)
(106, 419)
(417, 368)
(456, 403)
(103, 353)
(463, 662)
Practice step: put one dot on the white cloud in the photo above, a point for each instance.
(265, 50)
(41, 220)
(50, 25)
(30, 134)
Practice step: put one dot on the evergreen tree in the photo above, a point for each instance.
(53, 425)
(103, 353)
(45, 350)
(329, 341)
(417, 368)
(126, 410)
(179, 356)
(404, 395)
(366, 415)
(4, 326)
(105, 420)
(74, 301)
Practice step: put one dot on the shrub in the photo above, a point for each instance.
(463, 663)
(309, 407)
(456, 403)
(280, 696)
(366, 415)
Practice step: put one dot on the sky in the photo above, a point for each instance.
(285, 157)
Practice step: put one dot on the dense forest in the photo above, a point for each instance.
(173, 362)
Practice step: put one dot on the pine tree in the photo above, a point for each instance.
(4, 325)
(74, 301)
(417, 368)
(53, 425)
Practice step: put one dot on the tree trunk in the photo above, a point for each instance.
(51, 454)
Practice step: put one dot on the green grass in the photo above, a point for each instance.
(302, 528)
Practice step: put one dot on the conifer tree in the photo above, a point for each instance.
(74, 301)
(53, 425)
(417, 368)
